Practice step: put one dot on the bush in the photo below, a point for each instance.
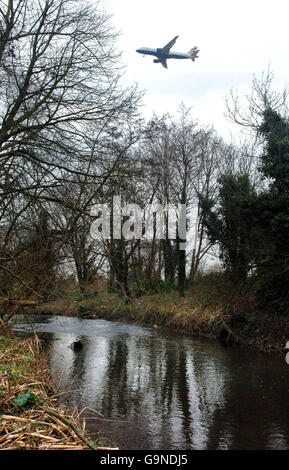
(85, 310)
(153, 286)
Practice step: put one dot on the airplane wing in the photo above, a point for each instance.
(170, 44)
(163, 62)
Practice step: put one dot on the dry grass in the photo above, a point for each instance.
(30, 415)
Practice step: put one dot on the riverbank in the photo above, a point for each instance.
(210, 310)
(31, 416)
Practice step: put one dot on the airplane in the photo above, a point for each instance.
(164, 53)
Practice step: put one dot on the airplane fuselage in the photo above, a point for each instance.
(163, 54)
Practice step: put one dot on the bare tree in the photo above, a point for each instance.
(60, 106)
(249, 112)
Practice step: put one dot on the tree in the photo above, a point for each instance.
(267, 117)
(273, 270)
(60, 108)
(158, 150)
(182, 160)
(229, 224)
(275, 157)
(59, 90)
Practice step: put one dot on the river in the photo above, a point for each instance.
(160, 390)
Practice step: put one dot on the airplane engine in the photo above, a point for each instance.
(156, 61)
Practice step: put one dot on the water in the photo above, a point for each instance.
(167, 391)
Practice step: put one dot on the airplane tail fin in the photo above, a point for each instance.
(194, 53)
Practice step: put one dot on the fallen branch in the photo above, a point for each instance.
(23, 303)
(70, 424)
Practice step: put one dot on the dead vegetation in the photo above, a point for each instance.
(30, 415)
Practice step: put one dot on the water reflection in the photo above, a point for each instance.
(178, 392)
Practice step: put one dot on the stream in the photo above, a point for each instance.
(163, 390)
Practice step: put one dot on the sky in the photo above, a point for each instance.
(236, 41)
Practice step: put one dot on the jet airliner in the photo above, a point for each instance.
(164, 53)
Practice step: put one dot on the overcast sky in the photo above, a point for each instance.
(236, 40)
